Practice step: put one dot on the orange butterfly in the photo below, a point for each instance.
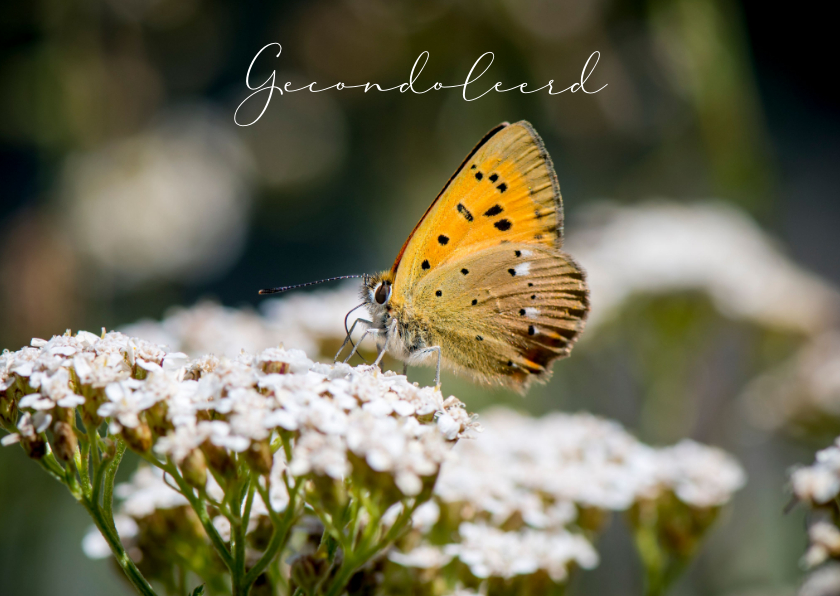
(481, 285)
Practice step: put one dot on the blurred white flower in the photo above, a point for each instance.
(824, 581)
(304, 321)
(660, 247)
(824, 542)
(699, 475)
(541, 469)
(422, 557)
(490, 552)
(171, 202)
(801, 391)
(146, 492)
(819, 483)
(94, 545)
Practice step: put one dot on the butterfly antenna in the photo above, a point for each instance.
(310, 283)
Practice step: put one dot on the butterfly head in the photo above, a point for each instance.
(376, 291)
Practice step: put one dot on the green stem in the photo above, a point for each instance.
(110, 476)
(281, 530)
(123, 560)
(365, 552)
(199, 506)
(239, 529)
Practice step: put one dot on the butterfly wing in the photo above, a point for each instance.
(505, 313)
(505, 191)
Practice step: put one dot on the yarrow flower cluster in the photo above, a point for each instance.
(332, 438)
(270, 468)
(530, 495)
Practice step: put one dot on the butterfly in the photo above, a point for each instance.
(481, 286)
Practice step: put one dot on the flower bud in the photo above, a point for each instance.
(156, 417)
(308, 570)
(8, 408)
(194, 468)
(259, 457)
(65, 442)
(138, 438)
(280, 368)
(109, 448)
(219, 459)
(35, 446)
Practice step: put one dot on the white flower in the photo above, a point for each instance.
(146, 492)
(804, 388)
(700, 476)
(819, 483)
(490, 552)
(422, 557)
(824, 541)
(824, 581)
(542, 468)
(169, 202)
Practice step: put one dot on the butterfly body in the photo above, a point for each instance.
(481, 284)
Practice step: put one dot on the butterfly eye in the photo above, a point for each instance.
(383, 292)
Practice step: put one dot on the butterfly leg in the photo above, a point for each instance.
(368, 331)
(385, 346)
(437, 372)
(347, 339)
(405, 368)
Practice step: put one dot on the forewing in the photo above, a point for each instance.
(505, 191)
(504, 314)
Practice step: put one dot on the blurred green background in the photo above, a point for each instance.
(127, 188)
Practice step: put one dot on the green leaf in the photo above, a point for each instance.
(199, 591)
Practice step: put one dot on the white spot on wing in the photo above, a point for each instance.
(532, 313)
(526, 253)
(523, 269)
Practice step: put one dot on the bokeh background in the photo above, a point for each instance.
(127, 190)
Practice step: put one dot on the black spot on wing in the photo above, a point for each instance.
(479, 338)
(502, 187)
(503, 225)
(474, 302)
(494, 177)
(494, 210)
(472, 167)
(531, 330)
(438, 293)
(521, 312)
(518, 253)
(512, 272)
(479, 175)
(425, 264)
(465, 212)
(443, 239)
(465, 271)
